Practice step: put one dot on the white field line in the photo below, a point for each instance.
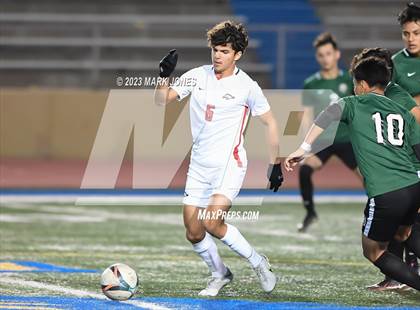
(77, 293)
(38, 217)
(278, 233)
(106, 214)
(87, 214)
(296, 248)
(94, 216)
(168, 200)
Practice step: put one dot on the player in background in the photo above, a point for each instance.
(222, 98)
(382, 133)
(396, 93)
(331, 84)
(407, 61)
(407, 75)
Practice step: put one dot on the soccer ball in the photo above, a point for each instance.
(119, 282)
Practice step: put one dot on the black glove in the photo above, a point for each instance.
(275, 176)
(168, 63)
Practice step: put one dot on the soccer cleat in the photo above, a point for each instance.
(309, 219)
(266, 276)
(387, 285)
(214, 285)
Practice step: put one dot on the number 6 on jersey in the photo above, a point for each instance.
(209, 112)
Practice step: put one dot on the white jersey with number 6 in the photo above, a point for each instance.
(219, 111)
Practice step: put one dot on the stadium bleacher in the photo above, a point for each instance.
(292, 27)
(358, 24)
(89, 44)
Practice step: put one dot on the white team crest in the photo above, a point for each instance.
(343, 88)
(228, 96)
(334, 97)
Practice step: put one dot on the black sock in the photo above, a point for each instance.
(396, 269)
(413, 242)
(307, 188)
(396, 248)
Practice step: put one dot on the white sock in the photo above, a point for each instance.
(234, 239)
(207, 250)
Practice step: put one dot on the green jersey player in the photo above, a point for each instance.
(393, 90)
(405, 64)
(382, 133)
(320, 89)
(407, 61)
(406, 68)
(407, 74)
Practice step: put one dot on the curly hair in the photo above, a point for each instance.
(378, 52)
(228, 32)
(410, 14)
(373, 70)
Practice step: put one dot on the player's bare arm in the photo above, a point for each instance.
(416, 112)
(325, 118)
(272, 136)
(163, 93)
(417, 98)
(306, 147)
(274, 173)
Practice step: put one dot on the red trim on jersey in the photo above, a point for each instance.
(235, 150)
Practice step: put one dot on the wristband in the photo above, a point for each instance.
(306, 147)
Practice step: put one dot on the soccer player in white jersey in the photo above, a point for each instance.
(222, 98)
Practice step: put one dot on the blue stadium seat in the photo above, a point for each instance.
(299, 59)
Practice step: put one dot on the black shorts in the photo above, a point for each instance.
(344, 151)
(385, 213)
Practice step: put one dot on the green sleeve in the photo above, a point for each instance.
(394, 75)
(410, 104)
(403, 97)
(414, 136)
(407, 101)
(347, 108)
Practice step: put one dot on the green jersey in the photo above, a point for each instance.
(382, 134)
(407, 72)
(398, 94)
(327, 91)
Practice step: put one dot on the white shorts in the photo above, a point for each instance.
(203, 182)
